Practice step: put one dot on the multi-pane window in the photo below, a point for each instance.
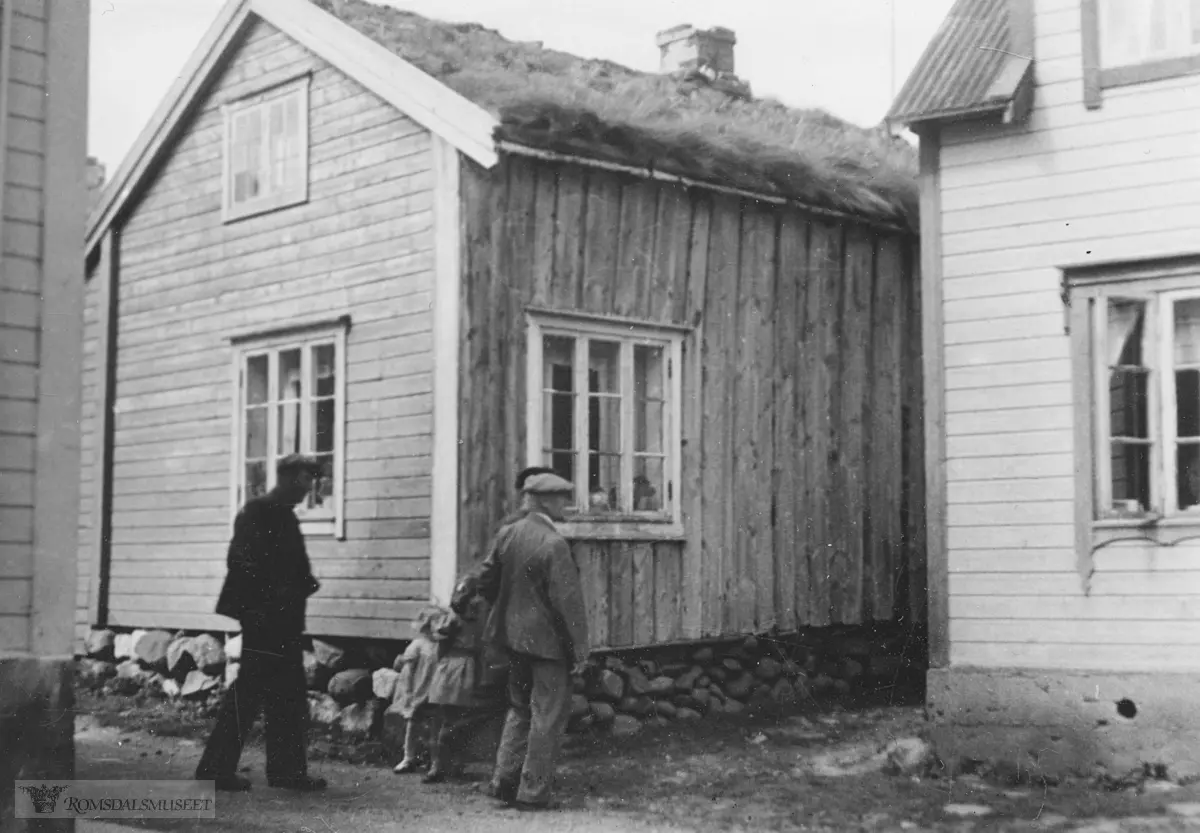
(291, 401)
(266, 151)
(604, 414)
(1137, 31)
(1145, 354)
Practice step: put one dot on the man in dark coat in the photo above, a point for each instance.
(538, 618)
(266, 588)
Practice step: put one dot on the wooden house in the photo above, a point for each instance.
(1061, 268)
(43, 153)
(433, 257)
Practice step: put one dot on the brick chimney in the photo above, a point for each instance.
(685, 47)
(95, 180)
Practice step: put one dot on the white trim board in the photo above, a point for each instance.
(460, 122)
(443, 534)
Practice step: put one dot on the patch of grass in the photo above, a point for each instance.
(595, 108)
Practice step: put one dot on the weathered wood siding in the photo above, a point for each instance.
(362, 245)
(1076, 186)
(799, 493)
(20, 315)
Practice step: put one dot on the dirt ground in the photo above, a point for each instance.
(734, 775)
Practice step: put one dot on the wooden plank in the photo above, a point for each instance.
(635, 248)
(566, 291)
(373, 588)
(847, 575)
(621, 614)
(543, 242)
(885, 471)
(668, 592)
(669, 285)
(787, 459)
(100, 541)
(644, 592)
(698, 605)
(516, 274)
(603, 216)
(592, 560)
(719, 339)
(824, 302)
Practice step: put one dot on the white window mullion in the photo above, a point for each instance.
(1103, 408)
(306, 398)
(535, 384)
(583, 402)
(625, 391)
(674, 437)
(272, 415)
(1161, 390)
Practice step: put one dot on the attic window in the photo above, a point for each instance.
(266, 151)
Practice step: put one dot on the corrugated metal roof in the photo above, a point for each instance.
(958, 68)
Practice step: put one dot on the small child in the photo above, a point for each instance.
(416, 666)
(462, 690)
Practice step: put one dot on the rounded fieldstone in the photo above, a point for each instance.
(579, 705)
(604, 713)
(687, 714)
(768, 669)
(101, 644)
(358, 719)
(207, 653)
(624, 725)
(352, 686)
(703, 656)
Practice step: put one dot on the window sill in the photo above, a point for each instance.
(609, 530)
(248, 210)
(319, 527)
(1157, 70)
(1150, 528)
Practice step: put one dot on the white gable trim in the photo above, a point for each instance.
(430, 103)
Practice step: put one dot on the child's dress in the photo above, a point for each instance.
(457, 690)
(416, 666)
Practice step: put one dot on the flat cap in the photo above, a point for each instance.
(298, 462)
(548, 484)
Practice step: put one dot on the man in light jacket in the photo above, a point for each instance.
(538, 618)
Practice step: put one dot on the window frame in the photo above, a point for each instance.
(298, 88)
(1099, 77)
(635, 526)
(1160, 286)
(302, 336)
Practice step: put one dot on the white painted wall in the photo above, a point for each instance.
(1076, 186)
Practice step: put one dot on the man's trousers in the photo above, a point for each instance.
(270, 680)
(539, 693)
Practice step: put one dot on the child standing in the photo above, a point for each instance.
(462, 689)
(416, 666)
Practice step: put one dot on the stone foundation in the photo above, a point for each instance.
(37, 730)
(1067, 723)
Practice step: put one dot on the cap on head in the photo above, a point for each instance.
(525, 474)
(297, 463)
(548, 484)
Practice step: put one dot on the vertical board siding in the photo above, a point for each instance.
(1073, 187)
(362, 246)
(20, 319)
(778, 401)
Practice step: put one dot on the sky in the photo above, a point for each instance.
(835, 55)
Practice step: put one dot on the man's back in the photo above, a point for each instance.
(538, 606)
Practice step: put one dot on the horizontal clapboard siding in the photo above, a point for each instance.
(20, 316)
(1073, 186)
(362, 245)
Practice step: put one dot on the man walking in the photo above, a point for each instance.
(538, 618)
(266, 588)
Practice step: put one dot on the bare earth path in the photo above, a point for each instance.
(752, 777)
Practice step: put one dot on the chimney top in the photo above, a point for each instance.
(684, 47)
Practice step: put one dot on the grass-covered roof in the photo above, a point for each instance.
(602, 110)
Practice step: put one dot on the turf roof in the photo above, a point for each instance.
(602, 110)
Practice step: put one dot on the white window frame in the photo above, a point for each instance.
(304, 338)
(1164, 520)
(269, 200)
(666, 524)
(1180, 10)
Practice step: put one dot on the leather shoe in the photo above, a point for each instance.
(228, 783)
